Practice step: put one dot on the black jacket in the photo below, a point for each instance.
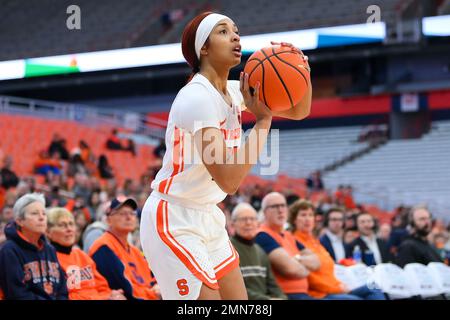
(8, 178)
(414, 249)
(382, 247)
(326, 242)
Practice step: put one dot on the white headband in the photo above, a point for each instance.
(204, 29)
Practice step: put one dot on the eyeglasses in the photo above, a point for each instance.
(336, 219)
(276, 206)
(245, 219)
(65, 225)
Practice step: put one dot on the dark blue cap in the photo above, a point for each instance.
(117, 203)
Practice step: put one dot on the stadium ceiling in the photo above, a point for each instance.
(166, 54)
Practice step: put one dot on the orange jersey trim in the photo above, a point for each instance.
(181, 252)
(177, 161)
(228, 264)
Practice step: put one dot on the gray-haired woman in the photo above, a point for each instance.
(29, 268)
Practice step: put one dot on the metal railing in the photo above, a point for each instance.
(135, 123)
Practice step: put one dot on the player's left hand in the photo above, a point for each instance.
(295, 49)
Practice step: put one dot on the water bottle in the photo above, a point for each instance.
(369, 258)
(357, 254)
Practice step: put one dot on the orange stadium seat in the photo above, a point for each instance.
(23, 137)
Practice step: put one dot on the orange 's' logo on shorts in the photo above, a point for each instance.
(184, 288)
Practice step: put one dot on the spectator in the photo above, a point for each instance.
(7, 177)
(29, 266)
(373, 249)
(384, 232)
(339, 195)
(322, 282)
(113, 142)
(314, 182)
(256, 197)
(349, 236)
(350, 221)
(7, 214)
(81, 224)
(439, 241)
(94, 203)
(160, 150)
(348, 197)
(94, 231)
(399, 230)
(169, 18)
(84, 151)
(104, 169)
(45, 163)
(416, 248)
(131, 147)
(344, 197)
(121, 263)
(84, 282)
(76, 165)
(2, 233)
(291, 261)
(58, 145)
(81, 188)
(254, 263)
(333, 239)
(53, 198)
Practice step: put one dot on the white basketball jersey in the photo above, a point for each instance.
(198, 105)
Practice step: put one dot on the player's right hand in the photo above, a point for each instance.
(252, 101)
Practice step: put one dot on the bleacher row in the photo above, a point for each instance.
(304, 151)
(24, 137)
(263, 16)
(38, 28)
(407, 171)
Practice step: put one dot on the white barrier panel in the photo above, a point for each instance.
(441, 273)
(392, 280)
(354, 276)
(423, 283)
(343, 275)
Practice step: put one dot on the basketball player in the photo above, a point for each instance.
(182, 230)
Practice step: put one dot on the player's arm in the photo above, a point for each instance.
(299, 111)
(229, 171)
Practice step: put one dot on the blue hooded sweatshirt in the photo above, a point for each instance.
(28, 272)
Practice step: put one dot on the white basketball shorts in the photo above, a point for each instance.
(185, 246)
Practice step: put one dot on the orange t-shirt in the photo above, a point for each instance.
(84, 282)
(287, 242)
(322, 282)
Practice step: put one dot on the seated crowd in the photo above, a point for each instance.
(81, 242)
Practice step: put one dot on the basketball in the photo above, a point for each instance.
(283, 75)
